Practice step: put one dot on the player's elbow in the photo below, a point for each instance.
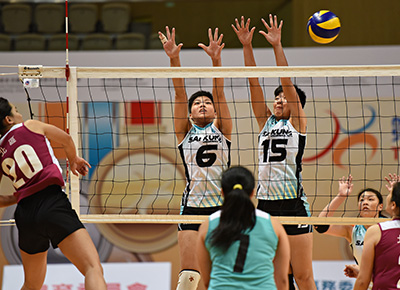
(360, 286)
(362, 283)
(282, 282)
(67, 141)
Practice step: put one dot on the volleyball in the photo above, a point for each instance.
(323, 27)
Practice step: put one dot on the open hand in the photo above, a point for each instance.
(391, 180)
(345, 186)
(169, 44)
(273, 34)
(215, 47)
(242, 31)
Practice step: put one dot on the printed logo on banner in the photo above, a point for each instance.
(118, 276)
(329, 275)
(333, 285)
(137, 286)
(355, 137)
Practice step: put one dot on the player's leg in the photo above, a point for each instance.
(291, 280)
(34, 270)
(32, 240)
(189, 276)
(78, 247)
(301, 260)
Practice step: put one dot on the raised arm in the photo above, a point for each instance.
(223, 120)
(181, 121)
(245, 36)
(345, 231)
(391, 180)
(77, 164)
(273, 36)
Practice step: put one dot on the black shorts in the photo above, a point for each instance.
(288, 207)
(46, 216)
(196, 211)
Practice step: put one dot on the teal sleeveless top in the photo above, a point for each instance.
(248, 262)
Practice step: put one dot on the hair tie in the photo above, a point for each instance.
(237, 186)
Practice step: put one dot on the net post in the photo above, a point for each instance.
(73, 131)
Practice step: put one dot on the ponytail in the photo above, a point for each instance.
(238, 211)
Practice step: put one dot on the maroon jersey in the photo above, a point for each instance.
(386, 273)
(28, 160)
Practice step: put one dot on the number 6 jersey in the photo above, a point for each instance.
(28, 160)
(280, 155)
(205, 153)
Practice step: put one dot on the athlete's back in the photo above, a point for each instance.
(248, 263)
(386, 273)
(28, 160)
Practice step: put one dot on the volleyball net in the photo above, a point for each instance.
(122, 122)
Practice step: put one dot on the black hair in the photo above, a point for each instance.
(199, 94)
(5, 110)
(238, 211)
(300, 92)
(396, 195)
(374, 191)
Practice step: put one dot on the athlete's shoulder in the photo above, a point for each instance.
(359, 228)
(192, 131)
(387, 225)
(271, 120)
(35, 126)
(262, 214)
(215, 215)
(269, 123)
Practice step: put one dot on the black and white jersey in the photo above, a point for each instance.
(205, 153)
(280, 154)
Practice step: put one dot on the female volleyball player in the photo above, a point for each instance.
(282, 140)
(370, 205)
(43, 212)
(380, 257)
(240, 247)
(204, 145)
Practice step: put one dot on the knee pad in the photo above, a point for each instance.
(188, 280)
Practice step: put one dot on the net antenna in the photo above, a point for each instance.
(67, 73)
(70, 178)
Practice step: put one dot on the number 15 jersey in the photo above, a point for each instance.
(28, 160)
(205, 153)
(280, 155)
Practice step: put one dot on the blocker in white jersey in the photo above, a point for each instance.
(280, 154)
(203, 127)
(280, 191)
(206, 154)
